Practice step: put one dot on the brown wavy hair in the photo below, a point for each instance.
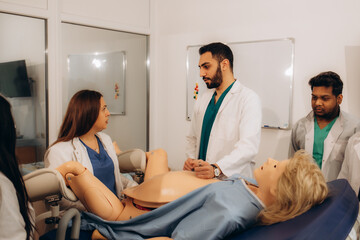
(80, 116)
(301, 186)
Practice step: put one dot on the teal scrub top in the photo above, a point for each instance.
(319, 138)
(208, 121)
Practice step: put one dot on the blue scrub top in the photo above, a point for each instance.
(103, 165)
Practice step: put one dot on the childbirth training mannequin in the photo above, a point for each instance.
(186, 207)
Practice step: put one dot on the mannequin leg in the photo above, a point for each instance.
(92, 193)
(157, 163)
(96, 235)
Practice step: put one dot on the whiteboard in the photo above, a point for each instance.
(103, 72)
(264, 66)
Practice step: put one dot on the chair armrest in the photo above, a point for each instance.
(45, 182)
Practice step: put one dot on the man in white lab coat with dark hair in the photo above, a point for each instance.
(325, 131)
(226, 124)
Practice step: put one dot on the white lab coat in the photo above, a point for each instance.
(350, 169)
(235, 135)
(302, 137)
(12, 224)
(74, 150)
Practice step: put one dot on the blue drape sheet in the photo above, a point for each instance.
(210, 212)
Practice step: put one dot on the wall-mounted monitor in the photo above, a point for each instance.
(14, 81)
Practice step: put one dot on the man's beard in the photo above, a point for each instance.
(330, 115)
(216, 80)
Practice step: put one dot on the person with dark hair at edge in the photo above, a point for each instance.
(16, 213)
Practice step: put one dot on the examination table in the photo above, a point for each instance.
(333, 219)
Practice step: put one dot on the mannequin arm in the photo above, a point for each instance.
(92, 193)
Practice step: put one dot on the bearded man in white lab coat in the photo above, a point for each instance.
(325, 131)
(226, 124)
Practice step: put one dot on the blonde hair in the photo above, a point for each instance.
(301, 186)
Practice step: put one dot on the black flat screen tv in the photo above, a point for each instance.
(14, 81)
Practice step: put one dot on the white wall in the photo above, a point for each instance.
(124, 13)
(327, 37)
(42, 4)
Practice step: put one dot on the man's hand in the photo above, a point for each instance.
(189, 164)
(203, 169)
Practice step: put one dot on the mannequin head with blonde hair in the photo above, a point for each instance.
(300, 187)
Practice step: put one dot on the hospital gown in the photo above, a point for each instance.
(211, 212)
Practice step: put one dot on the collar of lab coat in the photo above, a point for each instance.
(236, 88)
(330, 140)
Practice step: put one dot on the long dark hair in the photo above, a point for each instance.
(81, 114)
(9, 164)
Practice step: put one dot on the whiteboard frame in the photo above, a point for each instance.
(100, 80)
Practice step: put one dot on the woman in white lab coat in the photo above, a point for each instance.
(80, 139)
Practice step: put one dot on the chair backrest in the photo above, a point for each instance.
(333, 219)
